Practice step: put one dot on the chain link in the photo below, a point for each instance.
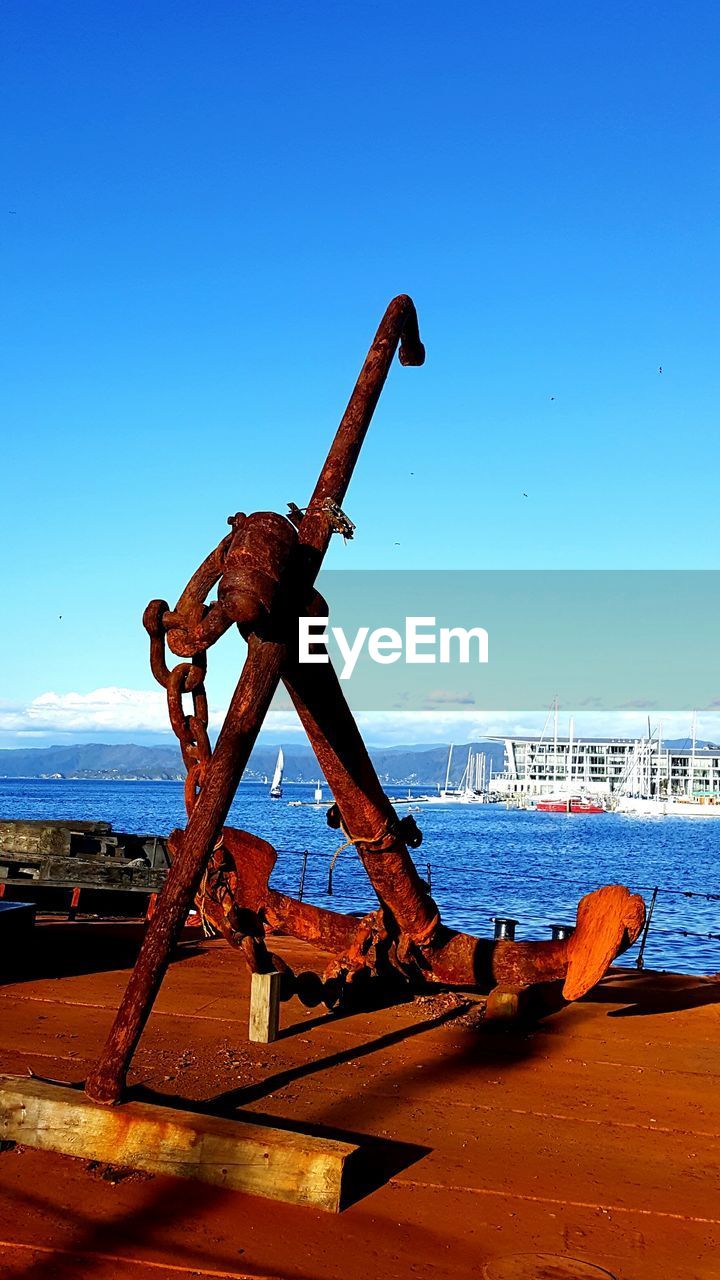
(189, 630)
(187, 678)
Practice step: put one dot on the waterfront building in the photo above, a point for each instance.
(604, 766)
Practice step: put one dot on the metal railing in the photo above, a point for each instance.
(530, 916)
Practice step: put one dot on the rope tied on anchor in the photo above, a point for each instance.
(394, 829)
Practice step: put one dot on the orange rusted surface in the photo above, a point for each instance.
(591, 1135)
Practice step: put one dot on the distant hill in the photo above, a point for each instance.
(92, 760)
(422, 765)
(419, 765)
(427, 766)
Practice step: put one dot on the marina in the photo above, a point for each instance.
(473, 787)
(681, 778)
(485, 860)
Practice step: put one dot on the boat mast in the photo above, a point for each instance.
(447, 772)
(555, 728)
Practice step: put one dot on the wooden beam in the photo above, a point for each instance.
(237, 1154)
(264, 1007)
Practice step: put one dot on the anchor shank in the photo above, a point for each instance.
(365, 809)
(398, 325)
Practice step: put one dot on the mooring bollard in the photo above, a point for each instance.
(561, 932)
(504, 928)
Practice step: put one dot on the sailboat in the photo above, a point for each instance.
(569, 800)
(448, 793)
(276, 788)
(641, 794)
(472, 788)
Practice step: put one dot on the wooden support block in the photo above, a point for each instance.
(502, 1004)
(236, 1154)
(264, 1007)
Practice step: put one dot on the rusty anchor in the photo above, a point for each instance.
(265, 571)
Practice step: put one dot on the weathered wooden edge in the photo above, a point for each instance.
(274, 1163)
(264, 1007)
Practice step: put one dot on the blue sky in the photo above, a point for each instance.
(206, 209)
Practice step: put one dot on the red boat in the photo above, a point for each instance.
(569, 804)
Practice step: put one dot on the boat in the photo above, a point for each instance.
(447, 794)
(473, 788)
(669, 806)
(641, 793)
(569, 800)
(316, 803)
(569, 804)
(276, 788)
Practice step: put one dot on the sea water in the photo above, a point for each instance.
(484, 860)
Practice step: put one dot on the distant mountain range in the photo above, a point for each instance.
(422, 765)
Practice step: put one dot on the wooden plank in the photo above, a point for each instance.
(264, 1007)
(274, 1163)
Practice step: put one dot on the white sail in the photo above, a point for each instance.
(276, 788)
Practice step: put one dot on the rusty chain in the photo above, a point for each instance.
(185, 678)
(188, 631)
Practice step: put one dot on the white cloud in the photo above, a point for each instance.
(410, 727)
(112, 708)
(141, 711)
